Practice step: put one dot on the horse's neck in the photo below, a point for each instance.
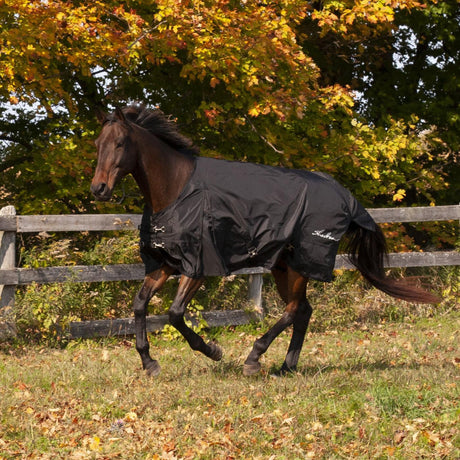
(162, 172)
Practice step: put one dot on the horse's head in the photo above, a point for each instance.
(115, 156)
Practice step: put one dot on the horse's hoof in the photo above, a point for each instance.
(251, 369)
(153, 369)
(216, 351)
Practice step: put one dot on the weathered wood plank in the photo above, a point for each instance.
(113, 327)
(9, 277)
(410, 259)
(417, 214)
(255, 283)
(251, 271)
(81, 273)
(8, 223)
(7, 289)
(125, 326)
(78, 222)
(107, 222)
(132, 272)
(424, 259)
(74, 274)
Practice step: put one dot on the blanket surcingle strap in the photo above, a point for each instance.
(233, 215)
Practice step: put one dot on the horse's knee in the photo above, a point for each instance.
(302, 318)
(308, 309)
(304, 311)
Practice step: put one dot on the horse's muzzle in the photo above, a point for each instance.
(101, 191)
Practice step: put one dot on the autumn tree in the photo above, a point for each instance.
(403, 63)
(287, 82)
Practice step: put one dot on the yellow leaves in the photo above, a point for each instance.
(48, 33)
(95, 444)
(164, 12)
(252, 56)
(253, 80)
(265, 109)
(254, 111)
(60, 16)
(358, 18)
(375, 174)
(391, 157)
(399, 195)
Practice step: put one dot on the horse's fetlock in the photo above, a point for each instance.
(175, 317)
(259, 346)
(143, 349)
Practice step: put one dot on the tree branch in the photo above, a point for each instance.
(251, 124)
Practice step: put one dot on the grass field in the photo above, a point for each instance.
(389, 391)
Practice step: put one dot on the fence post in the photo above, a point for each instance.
(7, 261)
(255, 283)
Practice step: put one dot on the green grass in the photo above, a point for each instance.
(383, 391)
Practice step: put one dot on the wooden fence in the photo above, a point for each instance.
(11, 276)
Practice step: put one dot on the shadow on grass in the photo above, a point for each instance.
(378, 365)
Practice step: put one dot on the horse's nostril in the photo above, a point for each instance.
(98, 189)
(101, 189)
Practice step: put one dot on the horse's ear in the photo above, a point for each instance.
(120, 115)
(101, 116)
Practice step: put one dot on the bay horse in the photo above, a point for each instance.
(211, 217)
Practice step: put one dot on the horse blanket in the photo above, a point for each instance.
(233, 215)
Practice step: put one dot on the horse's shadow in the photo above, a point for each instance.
(373, 365)
(231, 367)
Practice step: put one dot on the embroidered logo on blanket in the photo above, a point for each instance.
(325, 236)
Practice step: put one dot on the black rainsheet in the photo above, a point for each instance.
(233, 215)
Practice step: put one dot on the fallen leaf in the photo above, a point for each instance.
(399, 436)
(317, 426)
(431, 437)
(130, 417)
(95, 444)
(391, 451)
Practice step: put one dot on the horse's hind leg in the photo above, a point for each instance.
(300, 322)
(152, 283)
(186, 291)
(300, 325)
(292, 287)
(280, 274)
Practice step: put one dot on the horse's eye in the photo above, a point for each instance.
(119, 144)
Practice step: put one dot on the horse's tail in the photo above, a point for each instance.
(367, 251)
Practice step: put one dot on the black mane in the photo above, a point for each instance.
(160, 125)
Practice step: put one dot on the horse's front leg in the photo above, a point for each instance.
(152, 284)
(186, 291)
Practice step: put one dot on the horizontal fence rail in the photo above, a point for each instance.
(107, 222)
(11, 276)
(135, 272)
